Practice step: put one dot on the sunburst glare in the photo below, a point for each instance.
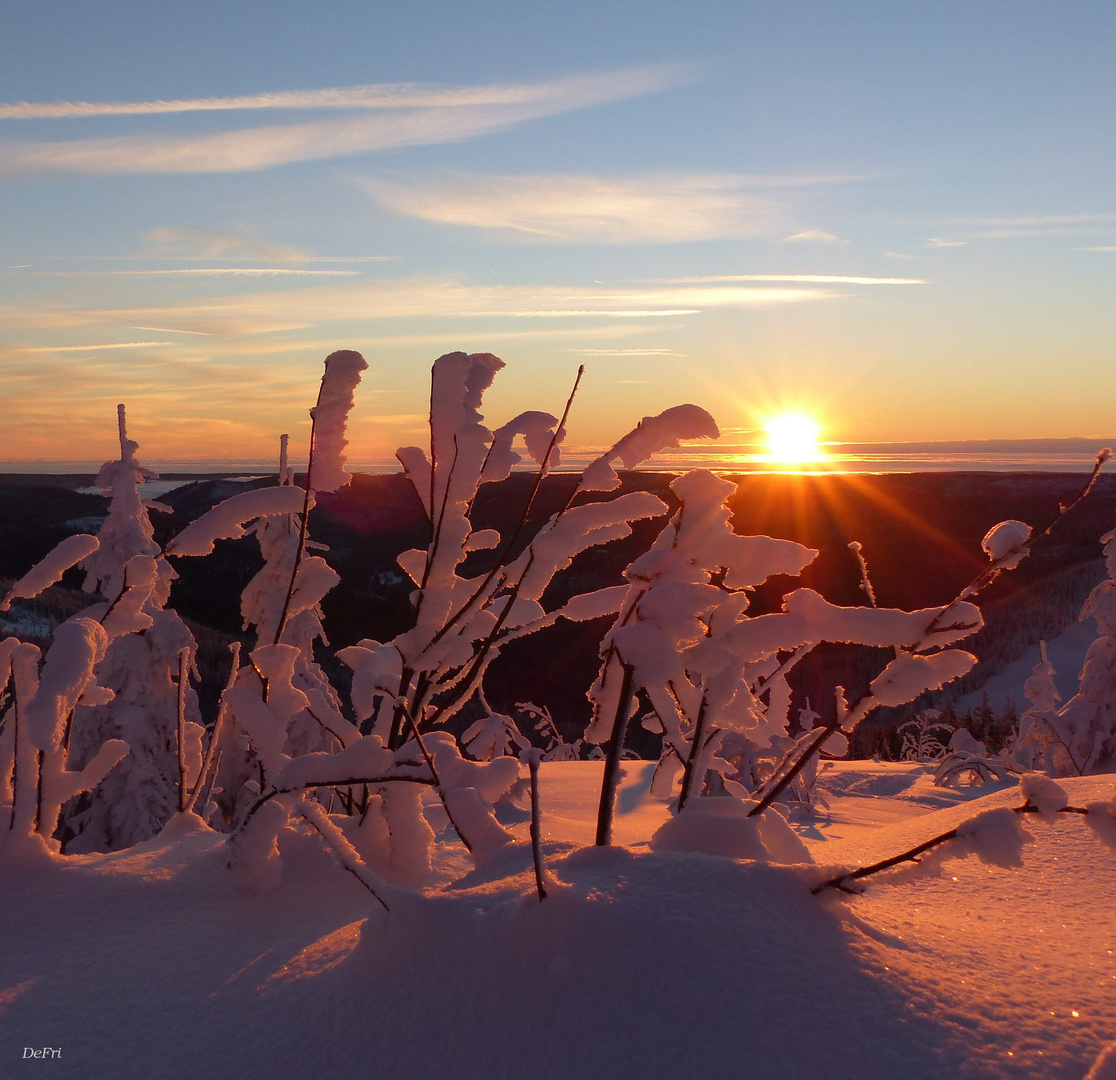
(793, 437)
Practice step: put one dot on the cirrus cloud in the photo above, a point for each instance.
(376, 119)
(657, 207)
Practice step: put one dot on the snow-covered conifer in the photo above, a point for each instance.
(141, 665)
(1086, 724)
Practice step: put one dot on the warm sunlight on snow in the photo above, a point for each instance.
(793, 437)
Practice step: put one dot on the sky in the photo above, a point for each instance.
(897, 218)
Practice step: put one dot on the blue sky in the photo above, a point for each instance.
(896, 217)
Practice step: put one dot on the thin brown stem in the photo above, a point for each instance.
(303, 524)
(611, 779)
(911, 855)
(536, 825)
(689, 774)
(183, 656)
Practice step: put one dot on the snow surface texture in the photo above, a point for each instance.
(147, 963)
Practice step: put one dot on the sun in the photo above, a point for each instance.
(793, 437)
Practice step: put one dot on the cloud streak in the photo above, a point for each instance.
(815, 279)
(436, 116)
(401, 298)
(662, 207)
(196, 271)
(374, 96)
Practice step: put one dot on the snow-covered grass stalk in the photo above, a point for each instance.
(325, 466)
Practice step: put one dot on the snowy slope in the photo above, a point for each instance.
(1066, 652)
(639, 964)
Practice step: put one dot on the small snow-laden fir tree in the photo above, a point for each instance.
(149, 651)
(1037, 745)
(710, 671)
(1084, 729)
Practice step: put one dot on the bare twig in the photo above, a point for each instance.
(911, 855)
(303, 524)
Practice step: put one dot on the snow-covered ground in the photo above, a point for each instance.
(640, 964)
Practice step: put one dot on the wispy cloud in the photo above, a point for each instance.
(1026, 227)
(197, 271)
(626, 352)
(50, 349)
(377, 119)
(175, 242)
(374, 96)
(588, 208)
(239, 314)
(1040, 220)
(815, 279)
(814, 236)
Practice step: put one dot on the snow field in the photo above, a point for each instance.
(640, 964)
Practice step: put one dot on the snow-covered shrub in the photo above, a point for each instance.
(35, 766)
(711, 671)
(281, 710)
(707, 674)
(923, 736)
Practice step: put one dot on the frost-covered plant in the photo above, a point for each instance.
(556, 748)
(135, 694)
(926, 737)
(36, 777)
(280, 703)
(1007, 545)
(404, 688)
(1080, 737)
(684, 639)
